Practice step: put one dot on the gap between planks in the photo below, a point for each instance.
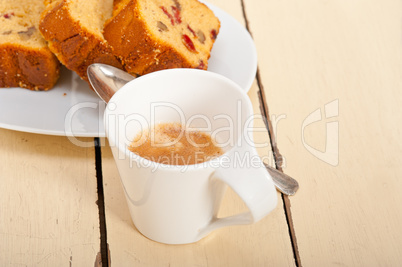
(276, 154)
(102, 259)
(278, 166)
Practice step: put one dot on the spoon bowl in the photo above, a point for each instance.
(106, 79)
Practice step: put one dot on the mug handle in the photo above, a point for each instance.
(253, 184)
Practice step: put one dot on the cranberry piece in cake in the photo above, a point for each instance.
(188, 43)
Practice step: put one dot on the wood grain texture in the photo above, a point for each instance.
(48, 215)
(266, 243)
(344, 59)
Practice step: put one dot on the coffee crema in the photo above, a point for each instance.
(173, 144)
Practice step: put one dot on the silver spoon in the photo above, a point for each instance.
(106, 80)
(283, 183)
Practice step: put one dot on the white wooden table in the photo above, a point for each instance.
(330, 83)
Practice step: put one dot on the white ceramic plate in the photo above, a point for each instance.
(72, 109)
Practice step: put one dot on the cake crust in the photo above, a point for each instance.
(25, 59)
(27, 68)
(74, 45)
(140, 50)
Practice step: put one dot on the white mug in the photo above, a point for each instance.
(179, 204)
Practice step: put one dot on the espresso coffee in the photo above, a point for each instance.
(173, 144)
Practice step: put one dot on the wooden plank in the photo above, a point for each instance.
(344, 59)
(48, 214)
(266, 243)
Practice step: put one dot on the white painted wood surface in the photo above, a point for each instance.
(48, 215)
(348, 53)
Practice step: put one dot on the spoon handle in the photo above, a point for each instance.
(284, 183)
